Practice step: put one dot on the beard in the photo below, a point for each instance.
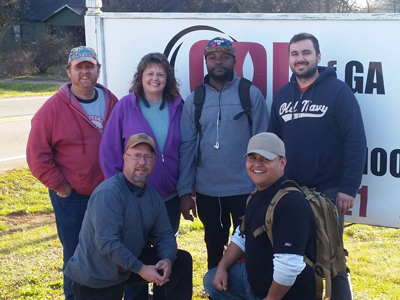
(139, 178)
(308, 73)
(226, 76)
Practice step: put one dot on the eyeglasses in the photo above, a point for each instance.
(137, 157)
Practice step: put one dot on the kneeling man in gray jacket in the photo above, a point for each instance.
(124, 216)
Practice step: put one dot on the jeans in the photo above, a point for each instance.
(215, 214)
(178, 288)
(341, 286)
(140, 292)
(238, 286)
(69, 213)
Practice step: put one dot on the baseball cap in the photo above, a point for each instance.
(219, 44)
(138, 139)
(82, 53)
(266, 144)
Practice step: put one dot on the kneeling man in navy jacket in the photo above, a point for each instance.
(253, 268)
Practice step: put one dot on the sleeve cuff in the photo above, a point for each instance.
(287, 267)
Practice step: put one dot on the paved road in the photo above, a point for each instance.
(15, 123)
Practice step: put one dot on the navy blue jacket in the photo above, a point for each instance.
(323, 132)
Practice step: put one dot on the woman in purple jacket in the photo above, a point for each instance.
(153, 106)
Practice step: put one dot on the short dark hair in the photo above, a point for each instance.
(171, 90)
(305, 36)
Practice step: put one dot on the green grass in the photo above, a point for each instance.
(374, 261)
(21, 193)
(30, 256)
(31, 264)
(19, 89)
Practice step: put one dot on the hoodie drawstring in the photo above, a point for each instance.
(77, 122)
(81, 132)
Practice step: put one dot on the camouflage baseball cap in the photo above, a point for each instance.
(81, 54)
(219, 44)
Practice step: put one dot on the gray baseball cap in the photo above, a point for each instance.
(82, 53)
(266, 144)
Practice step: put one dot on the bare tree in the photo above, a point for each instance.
(382, 6)
(194, 5)
(135, 5)
(245, 6)
(390, 6)
(9, 10)
(297, 6)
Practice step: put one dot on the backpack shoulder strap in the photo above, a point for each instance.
(269, 216)
(245, 101)
(250, 196)
(198, 101)
(294, 183)
(247, 203)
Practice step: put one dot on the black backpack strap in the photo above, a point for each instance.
(245, 101)
(198, 101)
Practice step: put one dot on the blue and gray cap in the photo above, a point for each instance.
(81, 54)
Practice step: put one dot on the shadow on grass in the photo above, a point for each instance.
(20, 222)
(27, 244)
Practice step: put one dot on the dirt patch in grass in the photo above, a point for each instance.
(25, 222)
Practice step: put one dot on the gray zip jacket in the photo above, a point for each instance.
(219, 170)
(120, 219)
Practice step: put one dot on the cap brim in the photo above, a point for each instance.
(209, 50)
(82, 59)
(266, 154)
(140, 142)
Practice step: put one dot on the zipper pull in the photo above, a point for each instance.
(162, 157)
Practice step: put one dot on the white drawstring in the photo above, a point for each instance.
(216, 146)
(220, 212)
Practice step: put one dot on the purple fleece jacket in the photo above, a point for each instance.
(127, 119)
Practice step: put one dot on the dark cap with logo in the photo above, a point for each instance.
(219, 44)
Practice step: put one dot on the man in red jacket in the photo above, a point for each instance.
(63, 146)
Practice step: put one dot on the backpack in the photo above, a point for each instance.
(330, 258)
(244, 96)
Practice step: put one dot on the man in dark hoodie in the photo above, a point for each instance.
(319, 119)
(63, 146)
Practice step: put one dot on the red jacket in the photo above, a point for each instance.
(63, 144)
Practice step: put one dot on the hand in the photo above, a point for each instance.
(66, 192)
(187, 205)
(221, 279)
(165, 266)
(150, 274)
(344, 202)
